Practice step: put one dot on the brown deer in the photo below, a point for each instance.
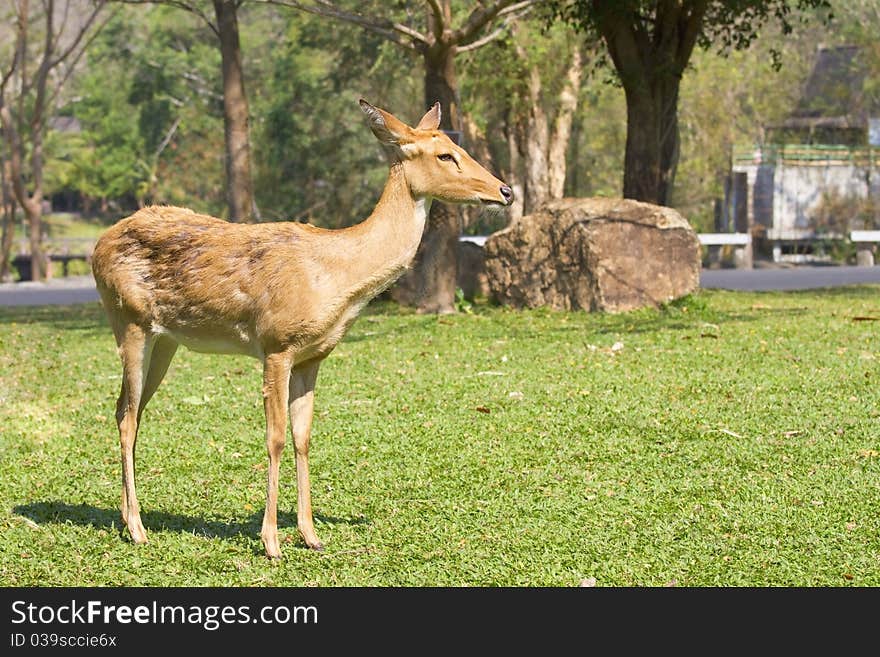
(285, 293)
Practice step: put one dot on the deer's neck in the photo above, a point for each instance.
(379, 249)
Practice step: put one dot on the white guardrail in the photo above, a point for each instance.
(865, 236)
(706, 239)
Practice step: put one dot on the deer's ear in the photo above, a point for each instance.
(387, 127)
(431, 119)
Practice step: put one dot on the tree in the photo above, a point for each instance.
(650, 43)
(538, 122)
(29, 89)
(7, 200)
(313, 160)
(437, 40)
(236, 113)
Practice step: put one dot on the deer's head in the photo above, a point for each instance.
(434, 166)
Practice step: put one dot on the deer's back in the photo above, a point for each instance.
(211, 284)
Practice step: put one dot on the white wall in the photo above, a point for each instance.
(798, 191)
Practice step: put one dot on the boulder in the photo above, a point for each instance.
(597, 254)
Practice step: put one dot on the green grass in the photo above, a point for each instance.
(60, 225)
(733, 440)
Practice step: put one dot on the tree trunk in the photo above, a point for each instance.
(650, 63)
(430, 285)
(641, 164)
(533, 137)
(39, 262)
(8, 231)
(542, 150)
(514, 176)
(239, 187)
(536, 142)
(652, 142)
(31, 204)
(561, 133)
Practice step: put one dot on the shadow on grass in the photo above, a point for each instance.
(87, 515)
(90, 317)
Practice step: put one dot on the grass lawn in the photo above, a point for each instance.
(730, 439)
(67, 225)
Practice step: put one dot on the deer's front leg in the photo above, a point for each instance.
(302, 404)
(276, 377)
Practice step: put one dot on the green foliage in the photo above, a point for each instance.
(462, 305)
(726, 24)
(155, 67)
(728, 440)
(147, 101)
(315, 159)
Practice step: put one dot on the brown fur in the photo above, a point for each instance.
(283, 292)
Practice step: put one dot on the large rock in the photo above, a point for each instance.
(599, 254)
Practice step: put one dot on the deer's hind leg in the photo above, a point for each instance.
(135, 349)
(163, 352)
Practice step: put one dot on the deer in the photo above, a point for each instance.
(282, 292)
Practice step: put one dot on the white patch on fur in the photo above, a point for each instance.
(409, 150)
(240, 297)
(420, 213)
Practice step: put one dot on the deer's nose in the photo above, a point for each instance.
(507, 193)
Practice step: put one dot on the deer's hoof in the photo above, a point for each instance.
(136, 531)
(138, 537)
(272, 549)
(311, 540)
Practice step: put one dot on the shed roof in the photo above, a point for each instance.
(834, 96)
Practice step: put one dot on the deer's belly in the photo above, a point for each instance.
(232, 339)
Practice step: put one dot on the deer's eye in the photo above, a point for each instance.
(446, 157)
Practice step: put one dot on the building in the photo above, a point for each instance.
(818, 174)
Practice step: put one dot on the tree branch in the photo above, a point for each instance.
(438, 23)
(692, 26)
(82, 32)
(69, 71)
(167, 139)
(624, 45)
(483, 15)
(510, 15)
(191, 7)
(43, 69)
(63, 21)
(394, 32)
(473, 45)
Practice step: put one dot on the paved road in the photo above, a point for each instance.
(74, 289)
(795, 278)
(81, 289)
